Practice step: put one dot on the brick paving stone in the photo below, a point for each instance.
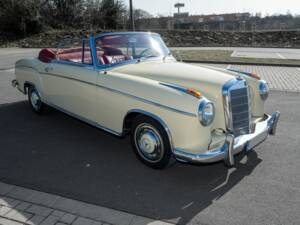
(22, 206)
(18, 215)
(35, 220)
(114, 216)
(63, 212)
(83, 221)
(58, 213)
(50, 220)
(10, 202)
(4, 210)
(4, 221)
(20, 193)
(14, 203)
(97, 223)
(67, 218)
(66, 204)
(139, 220)
(279, 78)
(47, 199)
(39, 210)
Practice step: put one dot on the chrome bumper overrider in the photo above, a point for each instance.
(234, 145)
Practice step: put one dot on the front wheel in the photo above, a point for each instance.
(150, 142)
(35, 101)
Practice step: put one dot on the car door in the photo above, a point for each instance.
(71, 88)
(69, 81)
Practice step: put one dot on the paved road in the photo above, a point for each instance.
(8, 56)
(278, 78)
(271, 53)
(60, 155)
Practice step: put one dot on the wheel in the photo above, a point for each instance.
(150, 142)
(35, 100)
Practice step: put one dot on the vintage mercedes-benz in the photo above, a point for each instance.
(129, 83)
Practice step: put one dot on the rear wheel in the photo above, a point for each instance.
(150, 142)
(35, 101)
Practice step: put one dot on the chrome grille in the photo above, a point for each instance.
(240, 111)
(237, 107)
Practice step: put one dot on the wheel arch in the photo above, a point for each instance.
(27, 84)
(131, 114)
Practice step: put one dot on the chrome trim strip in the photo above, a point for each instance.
(243, 142)
(127, 94)
(64, 62)
(121, 93)
(241, 72)
(84, 119)
(176, 87)
(69, 78)
(180, 89)
(149, 102)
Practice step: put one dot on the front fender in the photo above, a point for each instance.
(177, 110)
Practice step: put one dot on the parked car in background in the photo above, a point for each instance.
(129, 83)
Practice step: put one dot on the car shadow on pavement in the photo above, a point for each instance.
(61, 155)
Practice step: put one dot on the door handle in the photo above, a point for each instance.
(103, 72)
(48, 69)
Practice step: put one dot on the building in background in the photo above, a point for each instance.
(242, 22)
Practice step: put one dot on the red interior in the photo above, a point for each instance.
(113, 55)
(46, 55)
(106, 55)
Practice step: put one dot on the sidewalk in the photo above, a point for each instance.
(20, 206)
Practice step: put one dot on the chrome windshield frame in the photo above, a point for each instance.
(99, 66)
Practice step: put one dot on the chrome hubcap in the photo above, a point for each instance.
(35, 100)
(149, 143)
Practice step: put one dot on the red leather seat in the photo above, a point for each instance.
(47, 55)
(112, 55)
(111, 59)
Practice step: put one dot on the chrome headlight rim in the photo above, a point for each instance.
(205, 118)
(264, 89)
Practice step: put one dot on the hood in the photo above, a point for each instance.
(208, 81)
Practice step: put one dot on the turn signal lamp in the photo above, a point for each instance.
(194, 92)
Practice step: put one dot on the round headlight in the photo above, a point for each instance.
(206, 112)
(263, 89)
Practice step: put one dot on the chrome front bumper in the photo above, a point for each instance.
(234, 145)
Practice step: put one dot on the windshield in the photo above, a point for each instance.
(117, 48)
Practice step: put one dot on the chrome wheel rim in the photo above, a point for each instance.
(35, 100)
(149, 143)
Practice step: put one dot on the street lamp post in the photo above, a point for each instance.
(131, 15)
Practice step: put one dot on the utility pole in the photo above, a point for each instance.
(178, 6)
(131, 16)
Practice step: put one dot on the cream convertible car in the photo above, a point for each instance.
(129, 83)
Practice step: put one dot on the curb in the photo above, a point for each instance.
(240, 63)
(49, 203)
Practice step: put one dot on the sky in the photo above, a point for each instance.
(166, 7)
